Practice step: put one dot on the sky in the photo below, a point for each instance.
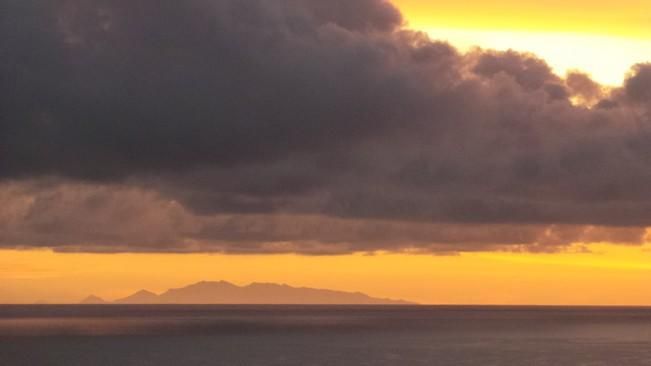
(445, 153)
(592, 36)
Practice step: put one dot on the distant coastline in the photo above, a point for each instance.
(226, 293)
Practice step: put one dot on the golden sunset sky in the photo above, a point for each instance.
(609, 275)
(602, 38)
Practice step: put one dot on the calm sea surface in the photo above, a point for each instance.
(337, 336)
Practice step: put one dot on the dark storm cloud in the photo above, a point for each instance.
(302, 126)
(106, 89)
(581, 86)
(638, 85)
(81, 217)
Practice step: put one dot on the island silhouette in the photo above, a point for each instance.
(222, 292)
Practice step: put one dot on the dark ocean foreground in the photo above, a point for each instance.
(322, 335)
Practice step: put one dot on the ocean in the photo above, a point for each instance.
(323, 335)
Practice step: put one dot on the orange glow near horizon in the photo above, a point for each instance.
(609, 275)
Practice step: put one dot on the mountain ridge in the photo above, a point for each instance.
(256, 293)
(93, 300)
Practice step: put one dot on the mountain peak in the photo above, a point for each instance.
(145, 293)
(140, 297)
(213, 283)
(93, 300)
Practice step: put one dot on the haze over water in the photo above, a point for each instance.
(323, 335)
